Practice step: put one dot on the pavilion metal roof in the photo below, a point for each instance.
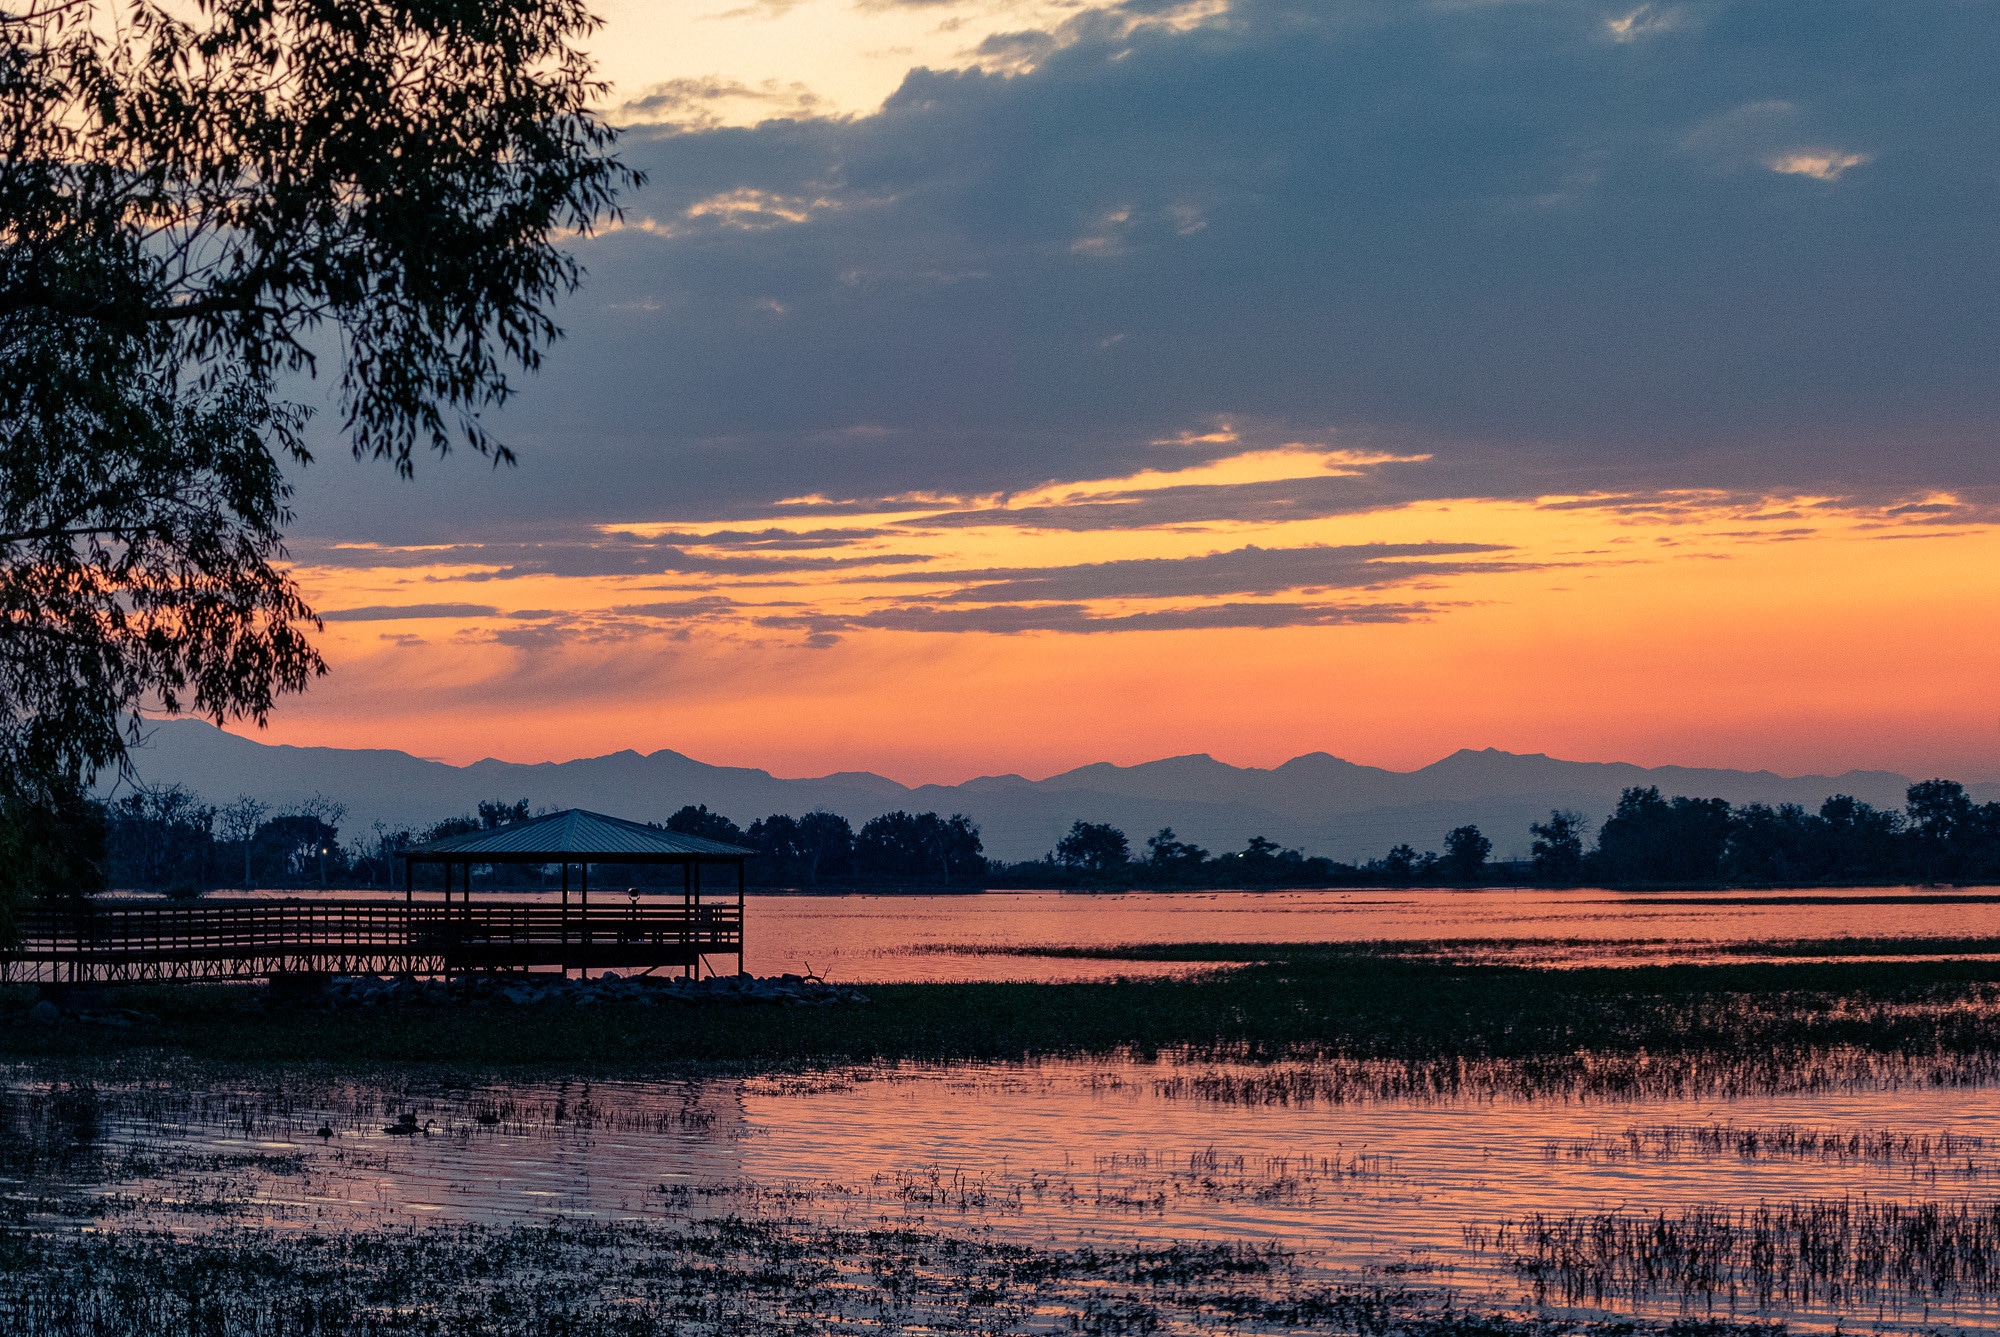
(576, 836)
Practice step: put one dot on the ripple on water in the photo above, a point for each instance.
(1060, 1154)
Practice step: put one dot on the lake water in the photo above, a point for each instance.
(1066, 1154)
(864, 938)
(883, 938)
(1051, 1155)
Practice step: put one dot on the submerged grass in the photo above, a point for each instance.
(1848, 1252)
(711, 1277)
(1966, 1154)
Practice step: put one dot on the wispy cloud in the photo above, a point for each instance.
(1819, 164)
(407, 612)
(1081, 619)
(1248, 570)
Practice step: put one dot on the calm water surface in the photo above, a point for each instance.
(1059, 1154)
(880, 938)
(1054, 1154)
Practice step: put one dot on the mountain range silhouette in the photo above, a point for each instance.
(1316, 802)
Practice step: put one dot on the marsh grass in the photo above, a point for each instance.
(47, 1126)
(1585, 1076)
(1278, 1002)
(1922, 1155)
(1143, 1183)
(713, 1277)
(1855, 1253)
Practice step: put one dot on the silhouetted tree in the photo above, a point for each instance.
(1169, 856)
(1265, 863)
(239, 821)
(52, 848)
(826, 845)
(697, 820)
(779, 860)
(496, 813)
(449, 827)
(900, 847)
(1400, 864)
(491, 815)
(198, 199)
(1652, 839)
(329, 813)
(1558, 847)
(1860, 841)
(293, 846)
(160, 837)
(1094, 847)
(376, 859)
(1773, 844)
(1939, 813)
(1465, 851)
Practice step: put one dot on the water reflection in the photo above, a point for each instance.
(1056, 1154)
(862, 938)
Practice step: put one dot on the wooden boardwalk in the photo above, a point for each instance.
(112, 943)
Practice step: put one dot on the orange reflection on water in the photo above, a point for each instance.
(1066, 1154)
(864, 938)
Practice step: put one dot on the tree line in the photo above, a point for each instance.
(1940, 835)
(168, 839)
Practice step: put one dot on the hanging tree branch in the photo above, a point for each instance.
(186, 199)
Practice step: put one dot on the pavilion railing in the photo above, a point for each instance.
(105, 943)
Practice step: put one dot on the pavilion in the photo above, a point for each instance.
(580, 838)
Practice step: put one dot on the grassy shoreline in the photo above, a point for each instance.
(1263, 1002)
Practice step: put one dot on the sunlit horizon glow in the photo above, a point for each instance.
(934, 640)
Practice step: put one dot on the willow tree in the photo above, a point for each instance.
(198, 202)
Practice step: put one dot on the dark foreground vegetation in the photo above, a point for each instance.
(721, 1276)
(1841, 1251)
(1314, 1023)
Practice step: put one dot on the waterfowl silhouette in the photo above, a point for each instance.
(325, 1131)
(406, 1126)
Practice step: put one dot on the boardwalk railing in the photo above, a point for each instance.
(222, 940)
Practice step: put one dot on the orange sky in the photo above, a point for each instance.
(1703, 628)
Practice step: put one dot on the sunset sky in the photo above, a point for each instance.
(988, 387)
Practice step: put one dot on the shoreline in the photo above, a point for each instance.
(1259, 1003)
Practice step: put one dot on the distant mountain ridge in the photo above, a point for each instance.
(1317, 801)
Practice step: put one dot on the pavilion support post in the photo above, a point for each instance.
(465, 918)
(409, 911)
(741, 879)
(687, 914)
(565, 919)
(444, 927)
(583, 881)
